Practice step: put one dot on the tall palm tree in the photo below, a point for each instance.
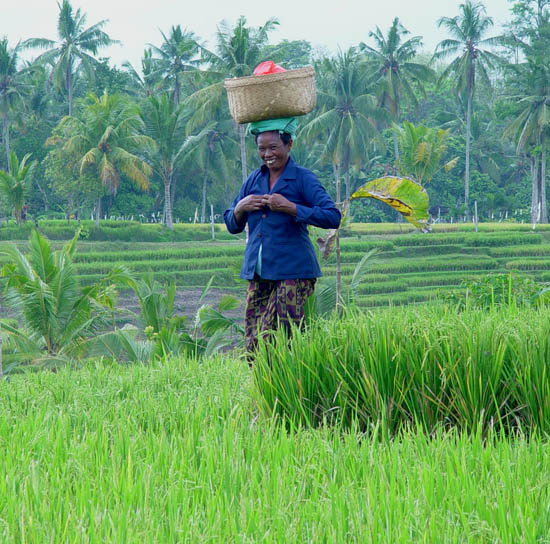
(75, 48)
(107, 139)
(13, 88)
(177, 55)
(422, 148)
(163, 123)
(148, 84)
(15, 184)
(395, 73)
(238, 51)
(212, 148)
(531, 127)
(468, 42)
(347, 115)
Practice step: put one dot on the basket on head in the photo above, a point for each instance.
(271, 96)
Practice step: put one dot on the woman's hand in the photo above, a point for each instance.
(250, 203)
(278, 203)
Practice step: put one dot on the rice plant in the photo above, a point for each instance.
(430, 366)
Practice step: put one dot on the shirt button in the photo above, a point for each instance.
(259, 235)
(264, 215)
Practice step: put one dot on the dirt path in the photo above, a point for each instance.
(186, 303)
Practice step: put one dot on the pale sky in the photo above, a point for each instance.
(326, 24)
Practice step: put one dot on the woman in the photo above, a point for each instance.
(278, 201)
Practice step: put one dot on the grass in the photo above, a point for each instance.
(176, 452)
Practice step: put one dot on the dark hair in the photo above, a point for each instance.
(285, 137)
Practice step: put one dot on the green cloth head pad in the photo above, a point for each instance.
(284, 124)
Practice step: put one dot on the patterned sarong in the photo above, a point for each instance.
(270, 303)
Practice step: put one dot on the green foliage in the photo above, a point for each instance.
(497, 290)
(421, 149)
(105, 140)
(56, 313)
(101, 439)
(15, 184)
(75, 49)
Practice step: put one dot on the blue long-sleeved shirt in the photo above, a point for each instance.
(287, 252)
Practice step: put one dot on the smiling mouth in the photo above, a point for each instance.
(269, 162)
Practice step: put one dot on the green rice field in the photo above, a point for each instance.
(426, 423)
(177, 452)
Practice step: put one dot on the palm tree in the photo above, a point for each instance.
(468, 30)
(148, 84)
(238, 51)
(75, 49)
(395, 73)
(421, 149)
(57, 315)
(13, 88)
(163, 123)
(347, 114)
(104, 139)
(346, 122)
(176, 56)
(530, 129)
(15, 184)
(212, 148)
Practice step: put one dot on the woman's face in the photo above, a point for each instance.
(272, 150)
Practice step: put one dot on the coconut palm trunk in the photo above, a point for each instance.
(395, 146)
(544, 213)
(69, 85)
(534, 191)
(467, 158)
(98, 211)
(204, 184)
(6, 137)
(168, 200)
(244, 167)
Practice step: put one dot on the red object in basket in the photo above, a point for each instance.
(267, 67)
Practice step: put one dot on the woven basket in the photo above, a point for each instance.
(284, 94)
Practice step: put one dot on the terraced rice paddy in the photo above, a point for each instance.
(409, 268)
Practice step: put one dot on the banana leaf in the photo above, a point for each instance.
(405, 195)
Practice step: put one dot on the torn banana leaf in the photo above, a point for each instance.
(405, 195)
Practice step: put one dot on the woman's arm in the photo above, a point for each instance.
(319, 210)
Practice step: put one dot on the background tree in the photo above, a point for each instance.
(421, 150)
(105, 139)
(147, 84)
(394, 72)
(238, 51)
(75, 49)
(530, 127)
(468, 30)
(177, 56)
(213, 148)
(163, 123)
(13, 88)
(16, 184)
(346, 118)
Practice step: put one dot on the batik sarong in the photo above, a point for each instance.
(272, 303)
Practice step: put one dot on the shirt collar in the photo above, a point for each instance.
(288, 173)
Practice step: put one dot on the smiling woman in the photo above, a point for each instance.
(278, 201)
